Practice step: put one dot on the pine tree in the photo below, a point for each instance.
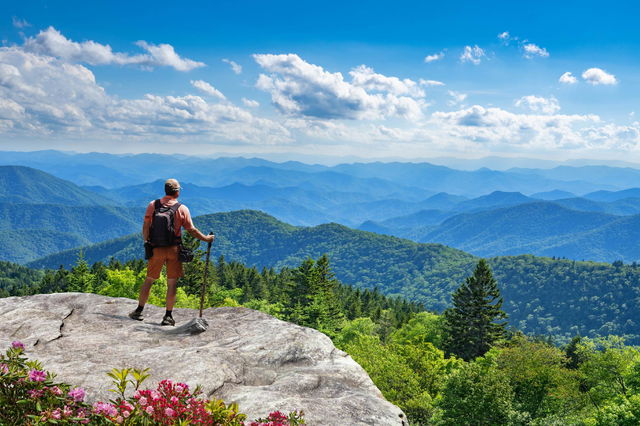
(471, 324)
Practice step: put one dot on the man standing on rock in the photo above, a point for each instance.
(161, 230)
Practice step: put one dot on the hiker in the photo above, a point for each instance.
(165, 239)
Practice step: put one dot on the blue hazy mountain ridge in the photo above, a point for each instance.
(43, 214)
(112, 171)
(299, 205)
(471, 183)
(495, 199)
(31, 227)
(620, 207)
(613, 195)
(553, 195)
(24, 245)
(621, 177)
(532, 228)
(29, 185)
(315, 203)
(542, 296)
(543, 228)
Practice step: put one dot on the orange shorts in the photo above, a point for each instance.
(162, 255)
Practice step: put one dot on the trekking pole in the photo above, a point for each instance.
(206, 272)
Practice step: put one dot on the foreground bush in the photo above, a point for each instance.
(29, 395)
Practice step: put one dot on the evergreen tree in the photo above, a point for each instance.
(470, 325)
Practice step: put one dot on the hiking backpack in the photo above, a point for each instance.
(163, 232)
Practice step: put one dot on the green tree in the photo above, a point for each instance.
(542, 383)
(610, 370)
(422, 328)
(477, 395)
(470, 325)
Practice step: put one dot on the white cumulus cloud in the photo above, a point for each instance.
(299, 88)
(434, 57)
(43, 96)
(250, 103)
(531, 50)
(504, 36)
(207, 88)
(539, 104)
(368, 79)
(430, 82)
(51, 42)
(496, 126)
(456, 97)
(472, 54)
(568, 78)
(598, 76)
(235, 67)
(20, 23)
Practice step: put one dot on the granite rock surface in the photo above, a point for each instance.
(244, 356)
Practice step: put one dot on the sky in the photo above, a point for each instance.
(372, 80)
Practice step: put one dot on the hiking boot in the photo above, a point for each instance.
(167, 320)
(136, 315)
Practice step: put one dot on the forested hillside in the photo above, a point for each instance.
(27, 185)
(526, 228)
(545, 296)
(44, 214)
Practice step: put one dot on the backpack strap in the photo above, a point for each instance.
(175, 207)
(157, 204)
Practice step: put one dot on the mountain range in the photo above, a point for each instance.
(42, 214)
(113, 171)
(498, 223)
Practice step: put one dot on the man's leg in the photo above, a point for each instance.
(174, 271)
(145, 289)
(172, 285)
(154, 266)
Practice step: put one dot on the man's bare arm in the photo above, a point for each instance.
(194, 232)
(146, 226)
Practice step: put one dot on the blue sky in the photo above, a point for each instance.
(396, 79)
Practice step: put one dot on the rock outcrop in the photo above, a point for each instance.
(244, 356)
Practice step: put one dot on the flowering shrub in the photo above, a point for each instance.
(277, 418)
(28, 395)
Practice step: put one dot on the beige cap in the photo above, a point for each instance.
(171, 186)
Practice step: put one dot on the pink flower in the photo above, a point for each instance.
(77, 394)
(169, 412)
(4, 369)
(35, 393)
(37, 375)
(179, 388)
(125, 414)
(67, 411)
(16, 344)
(277, 416)
(127, 406)
(143, 401)
(149, 410)
(55, 390)
(104, 408)
(155, 395)
(56, 414)
(119, 419)
(174, 400)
